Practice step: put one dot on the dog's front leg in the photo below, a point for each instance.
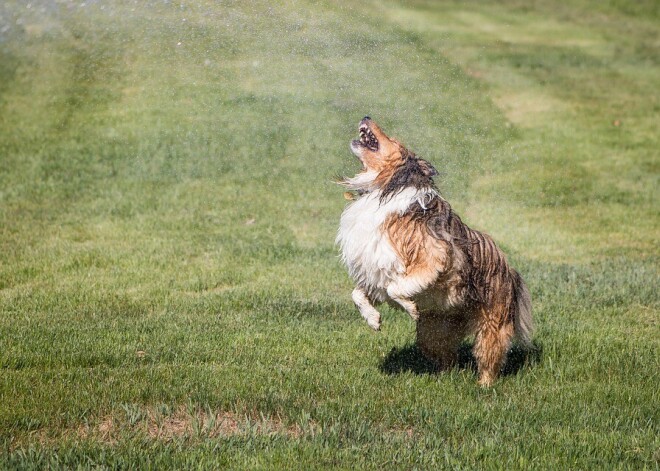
(402, 290)
(368, 311)
(409, 306)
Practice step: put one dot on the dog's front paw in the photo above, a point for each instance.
(374, 321)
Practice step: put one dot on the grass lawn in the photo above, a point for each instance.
(170, 292)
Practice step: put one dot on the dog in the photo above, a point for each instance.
(404, 245)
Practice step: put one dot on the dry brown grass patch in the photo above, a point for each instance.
(182, 423)
(178, 424)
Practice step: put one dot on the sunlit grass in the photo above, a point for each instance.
(167, 218)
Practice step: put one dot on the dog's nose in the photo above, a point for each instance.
(366, 117)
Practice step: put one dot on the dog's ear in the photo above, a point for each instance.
(428, 169)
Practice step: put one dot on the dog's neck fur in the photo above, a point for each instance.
(411, 172)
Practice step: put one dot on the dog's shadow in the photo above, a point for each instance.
(410, 359)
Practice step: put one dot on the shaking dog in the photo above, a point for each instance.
(404, 245)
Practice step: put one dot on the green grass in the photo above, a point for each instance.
(170, 293)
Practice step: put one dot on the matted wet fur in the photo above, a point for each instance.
(403, 244)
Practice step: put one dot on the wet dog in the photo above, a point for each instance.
(403, 244)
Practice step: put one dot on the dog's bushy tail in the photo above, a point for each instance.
(522, 311)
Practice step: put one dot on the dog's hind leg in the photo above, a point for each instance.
(494, 334)
(438, 337)
(368, 311)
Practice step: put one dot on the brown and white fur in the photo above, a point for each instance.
(403, 245)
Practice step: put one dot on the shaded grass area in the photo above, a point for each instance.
(168, 217)
(410, 358)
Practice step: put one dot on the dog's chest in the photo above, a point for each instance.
(366, 248)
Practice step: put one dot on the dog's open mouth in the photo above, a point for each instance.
(368, 139)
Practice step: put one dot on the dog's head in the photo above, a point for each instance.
(375, 149)
(386, 162)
